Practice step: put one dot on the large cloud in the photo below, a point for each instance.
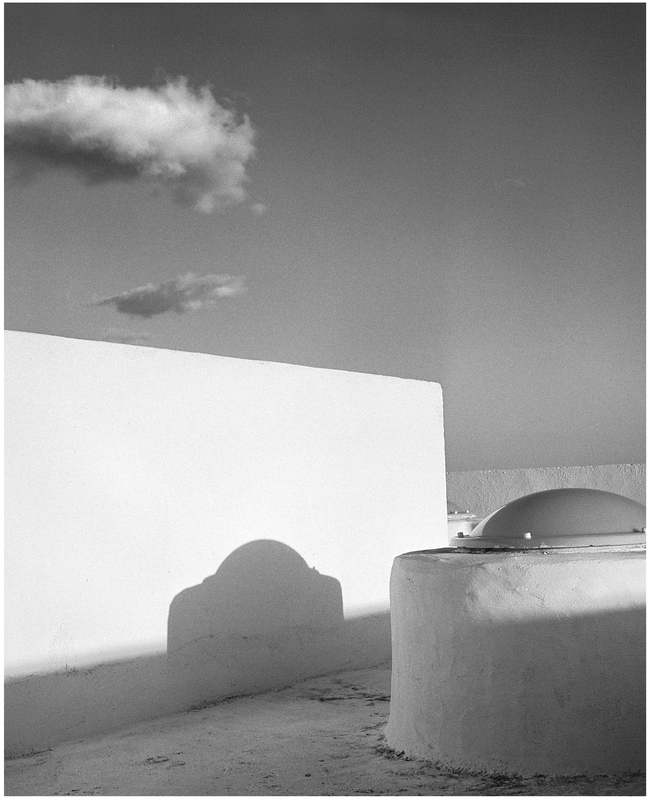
(171, 136)
(185, 293)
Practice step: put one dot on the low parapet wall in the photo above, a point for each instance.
(43, 710)
(484, 491)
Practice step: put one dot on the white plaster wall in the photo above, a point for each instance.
(485, 491)
(525, 663)
(132, 473)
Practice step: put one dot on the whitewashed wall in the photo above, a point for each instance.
(134, 474)
(530, 663)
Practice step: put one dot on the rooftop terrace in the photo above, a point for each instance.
(320, 737)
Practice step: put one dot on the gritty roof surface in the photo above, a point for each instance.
(321, 737)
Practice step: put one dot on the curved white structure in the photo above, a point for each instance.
(521, 661)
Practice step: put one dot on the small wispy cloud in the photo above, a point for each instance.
(185, 293)
(170, 136)
(125, 337)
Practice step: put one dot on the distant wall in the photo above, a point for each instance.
(484, 491)
(152, 492)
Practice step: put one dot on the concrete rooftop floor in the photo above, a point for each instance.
(323, 737)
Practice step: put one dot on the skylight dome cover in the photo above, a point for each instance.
(560, 518)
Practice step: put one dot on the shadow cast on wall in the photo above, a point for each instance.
(264, 620)
(263, 587)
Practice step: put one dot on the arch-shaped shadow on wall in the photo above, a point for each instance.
(262, 587)
(264, 620)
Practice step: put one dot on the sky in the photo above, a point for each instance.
(444, 192)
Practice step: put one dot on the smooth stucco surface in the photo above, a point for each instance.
(141, 482)
(484, 491)
(520, 662)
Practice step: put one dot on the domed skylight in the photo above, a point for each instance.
(560, 518)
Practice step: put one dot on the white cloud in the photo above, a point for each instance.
(170, 136)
